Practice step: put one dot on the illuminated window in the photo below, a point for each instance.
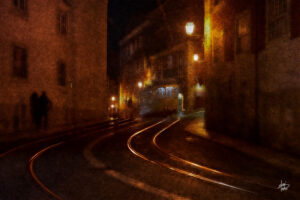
(161, 92)
(20, 62)
(61, 73)
(63, 23)
(169, 91)
(21, 4)
(277, 18)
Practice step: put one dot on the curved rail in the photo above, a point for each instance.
(181, 171)
(31, 162)
(38, 154)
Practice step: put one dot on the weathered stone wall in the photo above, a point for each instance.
(255, 94)
(36, 29)
(90, 34)
(279, 97)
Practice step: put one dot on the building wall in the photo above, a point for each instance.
(90, 34)
(36, 30)
(279, 109)
(253, 81)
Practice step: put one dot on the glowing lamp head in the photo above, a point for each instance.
(196, 57)
(113, 98)
(112, 106)
(180, 96)
(140, 84)
(189, 28)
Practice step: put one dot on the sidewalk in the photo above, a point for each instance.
(270, 156)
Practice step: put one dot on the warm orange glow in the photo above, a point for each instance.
(113, 98)
(148, 80)
(207, 31)
(122, 96)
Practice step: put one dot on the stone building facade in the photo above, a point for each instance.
(253, 78)
(56, 46)
(158, 55)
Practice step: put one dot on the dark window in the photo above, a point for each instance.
(63, 23)
(295, 18)
(229, 43)
(216, 2)
(61, 73)
(20, 62)
(260, 25)
(277, 18)
(21, 4)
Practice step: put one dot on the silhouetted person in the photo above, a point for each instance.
(34, 109)
(44, 107)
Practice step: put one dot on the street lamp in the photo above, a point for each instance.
(140, 84)
(113, 98)
(196, 57)
(189, 28)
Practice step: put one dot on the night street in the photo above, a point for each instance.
(122, 162)
(149, 99)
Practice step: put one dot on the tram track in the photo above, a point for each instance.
(164, 163)
(29, 152)
(35, 157)
(198, 171)
(174, 157)
(143, 143)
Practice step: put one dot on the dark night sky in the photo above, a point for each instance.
(122, 16)
(125, 13)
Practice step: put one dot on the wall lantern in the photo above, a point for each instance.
(189, 28)
(140, 84)
(196, 57)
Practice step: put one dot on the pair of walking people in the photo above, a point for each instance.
(40, 107)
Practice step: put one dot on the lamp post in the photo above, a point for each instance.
(113, 106)
(195, 68)
(190, 29)
(140, 86)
